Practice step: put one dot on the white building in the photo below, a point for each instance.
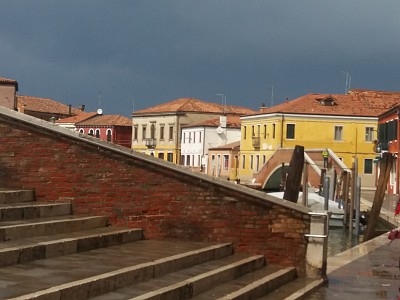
(198, 138)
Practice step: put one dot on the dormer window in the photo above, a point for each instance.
(327, 101)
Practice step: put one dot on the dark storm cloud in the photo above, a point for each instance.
(108, 53)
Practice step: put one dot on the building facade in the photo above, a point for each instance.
(389, 141)
(346, 124)
(198, 138)
(111, 128)
(8, 93)
(223, 161)
(157, 131)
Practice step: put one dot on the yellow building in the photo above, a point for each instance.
(156, 130)
(344, 123)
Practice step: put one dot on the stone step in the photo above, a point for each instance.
(12, 230)
(31, 210)
(92, 273)
(252, 285)
(29, 249)
(296, 289)
(186, 283)
(12, 196)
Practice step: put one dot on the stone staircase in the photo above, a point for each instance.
(48, 253)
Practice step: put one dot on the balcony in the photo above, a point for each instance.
(255, 141)
(150, 143)
(381, 146)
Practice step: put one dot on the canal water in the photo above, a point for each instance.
(339, 240)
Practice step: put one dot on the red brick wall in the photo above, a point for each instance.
(150, 194)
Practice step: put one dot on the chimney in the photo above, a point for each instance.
(21, 108)
(69, 109)
(82, 108)
(222, 121)
(263, 107)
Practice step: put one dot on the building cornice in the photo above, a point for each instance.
(307, 116)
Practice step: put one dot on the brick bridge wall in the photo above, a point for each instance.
(135, 190)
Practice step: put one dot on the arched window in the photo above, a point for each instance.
(98, 133)
(108, 135)
(81, 130)
(91, 132)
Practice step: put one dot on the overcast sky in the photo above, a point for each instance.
(133, 54)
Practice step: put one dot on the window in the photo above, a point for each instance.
(392, 130)
(257, 162)
(290, 131)
(161, 155)
(200, 137)
(171, 133)
(187, 160)
(368, 166)
(244, 132)
(253, 133)
(152, 131)
(161, 132)
(265, 131)
(263, 160)
(108, 135)
(273, 130)
(258, 130)
(97, 133)
(170, 157)
(143, 132)
(369, 134)
(251, 162)
(135, 132)
(243, 161)
(184, 138)
(81, 131)
(226, 162)
(194, 137)
(91, 132)
(338, 133)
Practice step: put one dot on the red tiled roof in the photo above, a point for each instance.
(232, 121)
(78, 118)
(194, 105)
(45, 105)
(106, 120)
(5, 80)
(230, 146)
(360, 103)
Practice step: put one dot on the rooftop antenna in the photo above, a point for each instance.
(223, 100)
(348, 81)
(272, 95)
(133, 104)
(99, 98)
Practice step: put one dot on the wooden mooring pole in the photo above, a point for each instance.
(295, 171)
(385, 166)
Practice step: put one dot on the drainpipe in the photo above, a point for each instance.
(205, 169)
(398, 152)
(177, 152)
(283, 119)
(355, 146)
